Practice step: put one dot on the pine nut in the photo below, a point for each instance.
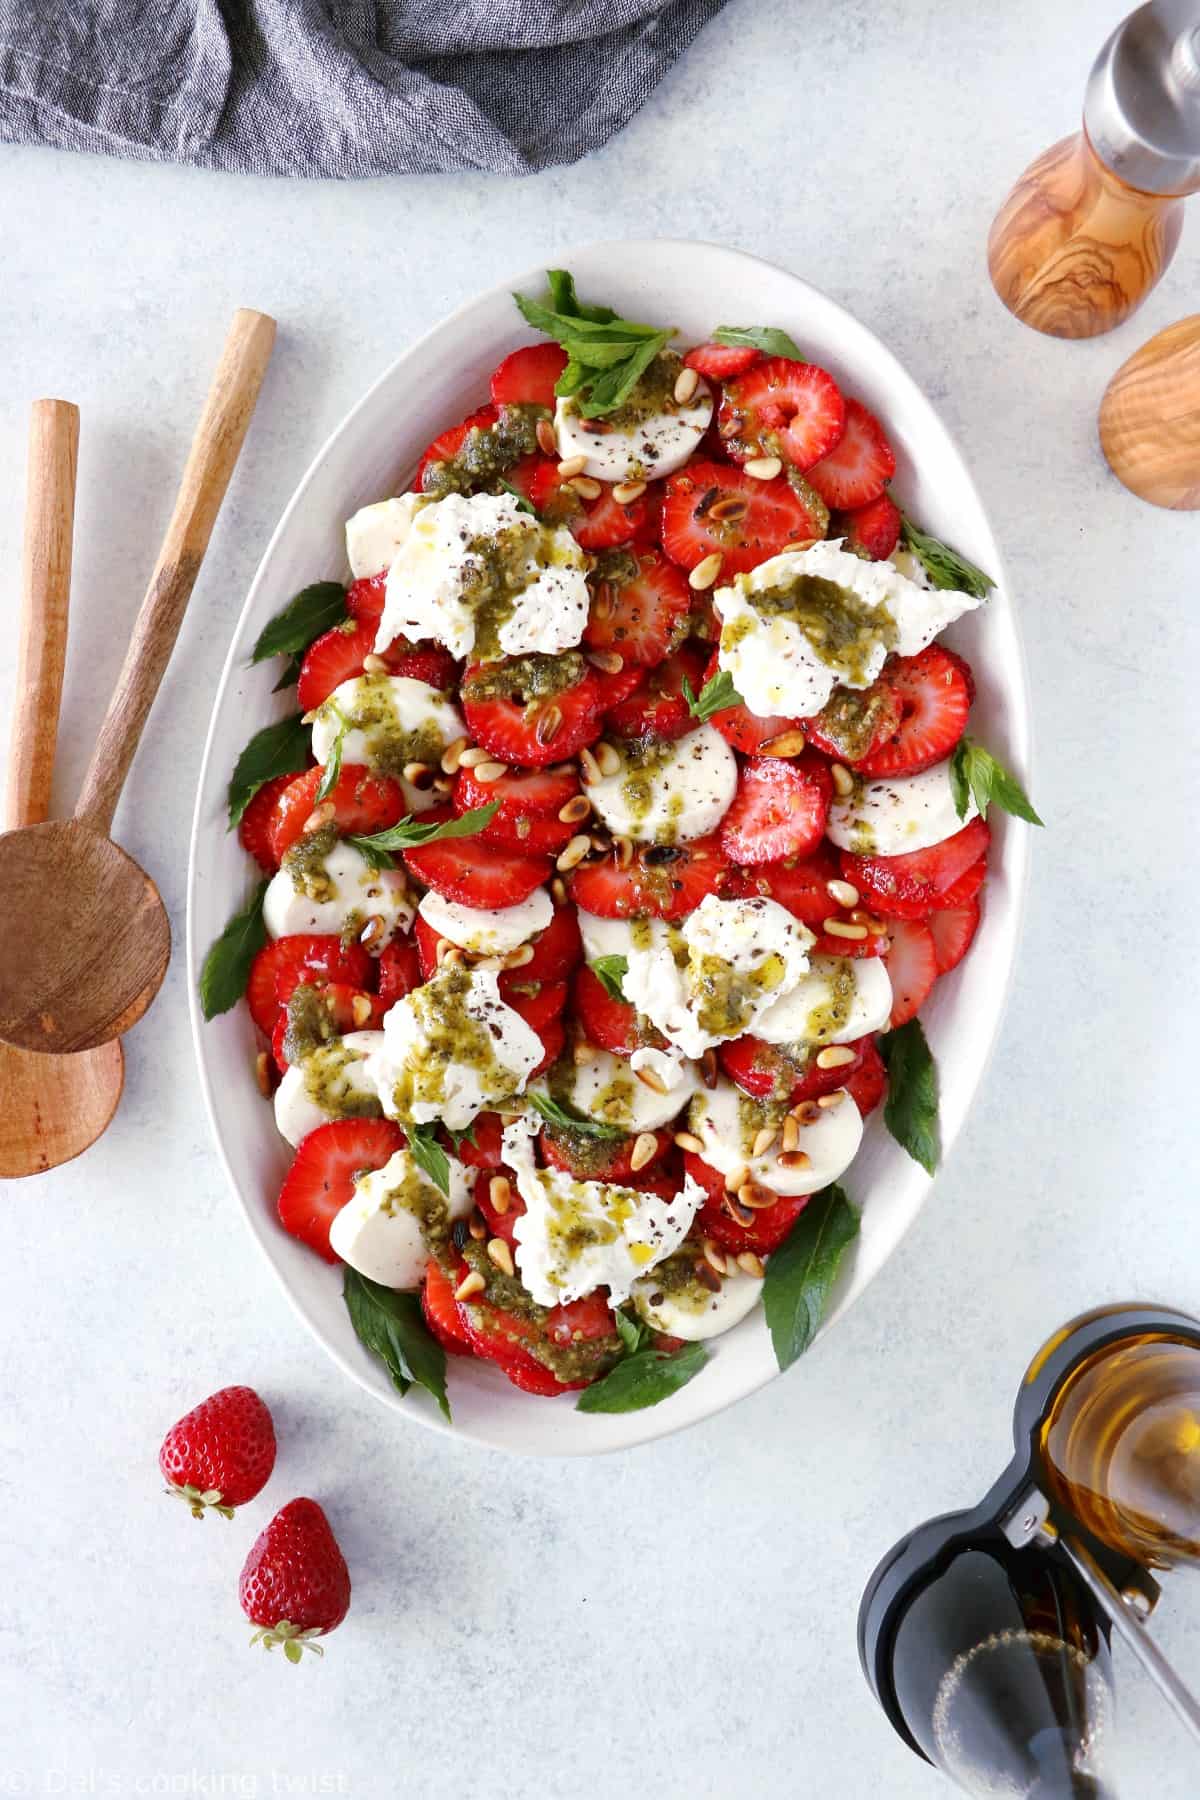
(645, 1149)
(420, 774)
(709, 1068)
(795, 1159)
(608, 760)
(763, 468)
(501, 1255)
(319, 817)
(500, 1194)
(805, 1112)
(477, 1226)
(706, 1275)
(583, 1054)
(519, 958)
(572, 465)
(371, 932)
(686, 383)
(262, 1073)
(558, 891)
(360, 1010)
(585, 487)
(838, 1056)
(549, 720)
(786, 743)
(575, 852)
(589, 768)
(843, 780)
(653, 1080)
(836, 928)
(490, 771)
(575, 809)
(547, 442)
(738, 1179)
(791, 1134)
(756, 1197)
(451, 755)
(473, 755)
(626, 492)
(844, 893)
(741, 1215)
(713, 1257)
(827, 1101)
(609, 662)
(799, 544)
(750, 1264)
(472, 1284)
(729, 511)
(687, 1140)
(623, 847)
(705, 573)
(763, 1141)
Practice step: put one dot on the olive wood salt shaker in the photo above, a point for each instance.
(1093, 223)
(1150, 418)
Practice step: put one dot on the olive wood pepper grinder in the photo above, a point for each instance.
(1093, 223)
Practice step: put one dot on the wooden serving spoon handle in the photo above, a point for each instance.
(210, 464)
(45, 597)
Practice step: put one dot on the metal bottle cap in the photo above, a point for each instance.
(1142, 107)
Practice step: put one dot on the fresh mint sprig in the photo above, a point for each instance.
(976, 774)
(278, 749)
(610, 972)
(313, 610)
(645, 1374)
(767, 338)
(944, 566)
(429, 1156)
(411, 832)
(567, 1118)
(392, 1328)
(910, 1111)
(717, 693)
(606, 355)
(227, 966)
(801, 1273)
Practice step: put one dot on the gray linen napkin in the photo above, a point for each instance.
(336, 87)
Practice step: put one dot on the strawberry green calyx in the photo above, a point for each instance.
(295, 1642)
(199, 1503)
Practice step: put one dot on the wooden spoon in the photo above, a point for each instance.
(54, 1106)
(84, 935)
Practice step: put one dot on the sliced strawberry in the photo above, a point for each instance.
(517, 710)
(964, 890)
(556, 950)
(866, 1083)
(720, 362)
(441, 1310)
(931, 702)
(745, 730)
(509, 1340)
(362, 802)
(422, 662)
(855, 720)
(799, 883)
(280, 967)
(860, 467)
(779, 810)
(553, 1038)
(610, 1159)
(665, 881)
(611, 1023)
(758, 1068)
(862, 1074)
(336, 656)
(538, 1002)
(474, 873)
(874, 944)
(640, 606)
(345, 1008)
(782, 408)
(912, 968)
(874, 528)
(769, 1227)
(952, 930)
(616, 685)
(482, 1150)
(254, 829)
(399, 970)
(499, 1224)
(321, 1179)
(365, 598)
(656, 707)
(530, 801)
(599, 524)
(710, 506)
(446, 447)
(527, 376)
(909, 886)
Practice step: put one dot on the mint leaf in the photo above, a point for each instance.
(633, 1332)
(567, 1118)
(944, 566)
(410, 832)
(291, 674)
(227, 966)
(767, 338)
(279, 749)
(524, 503)
(314, 610)
(611, 971)
(976, 773)
(332, 772)
(910, 1111)
(643, 1379)
(391, 1326)
(606, 355)
(801, 1273)
(429, 1156)
(717, 693)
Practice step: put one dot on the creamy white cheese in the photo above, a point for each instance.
(713, 977)
(451, 1048)
(376, 532)
(694, 1317)
(839, 1000)
(340, 894)
(575, 1236)
(723, 1119)
(669, 793)
(387, 722)
(899, 813)
(332, 1082)
(776, 661)
(635, 450)
(440, 572)
(487, 931)
(378, 1231)
(607, 1089)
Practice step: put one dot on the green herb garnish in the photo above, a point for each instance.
(332, 772)
(568, 1118)
(391, 1326)
(314, 610)
(611, 971)
(429, 1156)
(606, 355)
(227, 966)
(279, 749)
(801, 1273)
(717, 693)
(645, 1375)
(524, 503)
(976, 774)
(411, 832)
(767, 338)
(944, 566)
(911, 1109)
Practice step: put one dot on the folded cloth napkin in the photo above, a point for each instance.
(336, 87)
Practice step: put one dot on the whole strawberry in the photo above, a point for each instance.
(295, 1585)
(221, 1453)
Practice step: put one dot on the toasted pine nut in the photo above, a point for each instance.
(360, 1010)
(738, 1178)
(558, 891)
(686, 383)
(609, 662)
(830, 1100)
(743, 1215)
(372, 931)
(500, 1193)
(626, 492)
(791, 1133)
(805, 1112)
(705, 573)
(843, 780)
(575, 852)
(589, 768)
(575, 810)
(608, 760)
(837, 1056)
(763, 468)
(653, 1080)
(547, 442)
(799, 544)
(750, 1264)
(572, 465)
(451, 755)
(473, 755)
(549, 720)
(477, 1226)
(501, 1255)
(713, 1257)
(419, 773)
(624, 851)
(709, 1068)
(520, 957)
(490, 771)
(839, 929)
(374, 665)
(585, 487)
(843, 892)
(471, 1284)
(687, 1140)
(785, 743)
(262, 1073)
(763, 1141)
(730, 510)
(756, 1197)
(645, 1148)
(795, 1159)
(319, 817)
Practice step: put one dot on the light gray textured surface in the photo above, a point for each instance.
(681, 1619)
